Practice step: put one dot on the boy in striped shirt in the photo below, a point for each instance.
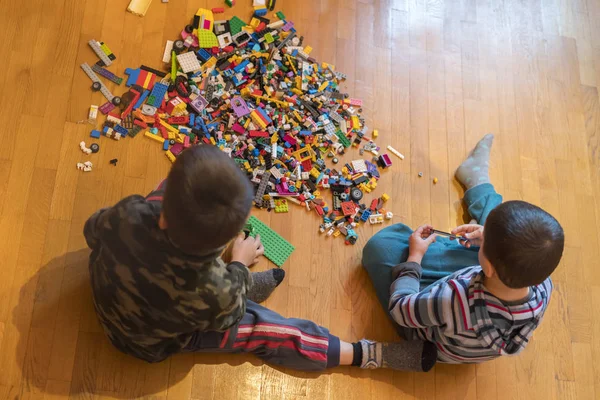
(482, 297)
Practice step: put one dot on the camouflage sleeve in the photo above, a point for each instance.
(231, 294)
(93, 226)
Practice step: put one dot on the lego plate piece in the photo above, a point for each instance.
(188, 62)
(277, 249)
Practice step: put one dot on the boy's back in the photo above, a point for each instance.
(467, 322)
(149, 295)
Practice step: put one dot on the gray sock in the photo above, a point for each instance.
(417, 355)
(475, 169)
(264, 283)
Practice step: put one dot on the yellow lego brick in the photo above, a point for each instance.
(157, 138)
(227, 137)
(171, 135)
(180, 138)
(308, 49)
(254, 23)
(298, 91)
(274, 138)
(337, 233)
(212, 141)
(385, 197)
(170, 156)
(375, 133)
(314, 172)
(323, 86)
(247, 124)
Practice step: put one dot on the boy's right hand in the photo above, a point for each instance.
(247, 251)
(473, 232)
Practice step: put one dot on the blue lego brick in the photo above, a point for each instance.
(132, 76)
(141, 100)
(157, 95)
(95, 134)
(241, 66)
(192, 118)
(120, 130)
(365, 215)
(166, 145)
(264, 114)
(203, 55)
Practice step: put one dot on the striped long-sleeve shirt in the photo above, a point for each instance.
(467, 323)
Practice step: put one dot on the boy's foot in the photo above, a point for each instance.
(417, 356)
(264, 283)
(475, 169)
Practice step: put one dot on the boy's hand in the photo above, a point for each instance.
(473, 232)
(419, 242)
(247, 251)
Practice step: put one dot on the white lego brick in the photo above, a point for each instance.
(167, 54)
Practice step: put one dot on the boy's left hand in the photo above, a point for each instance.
(419, 242)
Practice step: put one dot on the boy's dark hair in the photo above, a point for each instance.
(523, 242)
(207, 199)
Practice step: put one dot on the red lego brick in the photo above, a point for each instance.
(179, 120)
(374, 204)
(140, 123)
(258, 134)
(348, 208)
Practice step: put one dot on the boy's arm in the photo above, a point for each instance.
(92, 227)
(411, 308)
(233, 287)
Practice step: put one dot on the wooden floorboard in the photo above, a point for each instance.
(434, 76)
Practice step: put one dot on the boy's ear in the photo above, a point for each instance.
(486, 265)
(162, 222)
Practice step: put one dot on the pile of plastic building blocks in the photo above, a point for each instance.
(253, 90)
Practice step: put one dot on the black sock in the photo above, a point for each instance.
(357, 356)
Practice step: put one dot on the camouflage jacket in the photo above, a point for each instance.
(151, 297)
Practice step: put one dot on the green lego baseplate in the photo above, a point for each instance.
(277, 249)
(236, 25)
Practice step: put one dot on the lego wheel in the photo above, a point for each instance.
(95, 147)
(356, 194)
(96, 86)
(116, 101)
(189, 28)
(178, 46)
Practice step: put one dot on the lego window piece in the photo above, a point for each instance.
(224, 39)
(188, 62)
(277, 249)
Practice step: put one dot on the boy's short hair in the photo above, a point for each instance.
(523, 243)
(207, 199)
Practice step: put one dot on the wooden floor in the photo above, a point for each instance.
(435, 76)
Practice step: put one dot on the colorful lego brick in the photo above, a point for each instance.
(277, 249)
(107, 74)
(281, 206)
(166, 145)
(95, 134)
(132, 76)
(170, 156)
(204, 19)
(280, 15)
(141, 100)
(106, 107)
(103, 89)
(207, 39)
(104, 59)
(157, 138)
(157, 95)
